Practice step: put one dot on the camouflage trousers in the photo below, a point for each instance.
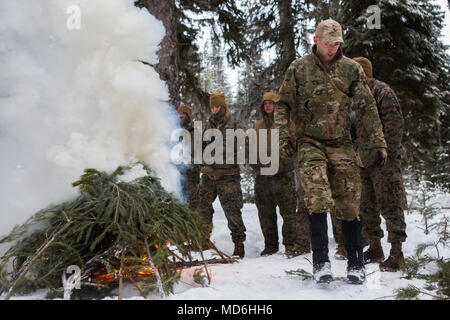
(302, 214)
(382, 194)
(337, 228)
(228, 189)
(273, 191)
(330, 177)
(189, 188)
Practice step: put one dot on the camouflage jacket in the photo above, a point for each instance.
(391, 118)
(267, 123)
(317, 98)
(218, 170)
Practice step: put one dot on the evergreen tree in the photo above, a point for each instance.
(440, 172)
(185, 18)
(251, 86)
(324, 9)
(406, 52)
(168, 64)
(275, 31)
(277, 26)
(213, 77)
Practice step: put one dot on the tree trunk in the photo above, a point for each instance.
(167, 67)
(287, 35)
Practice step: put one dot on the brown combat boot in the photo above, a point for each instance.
(294, 251)
(341, 253)
(269, 250)
(239, 250)
(375, 251)
(396, 261)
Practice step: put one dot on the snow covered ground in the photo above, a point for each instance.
(266, 278)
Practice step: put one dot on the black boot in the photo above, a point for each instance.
(319, 245)
(354, 245)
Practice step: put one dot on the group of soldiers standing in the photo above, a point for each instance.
(340, 136)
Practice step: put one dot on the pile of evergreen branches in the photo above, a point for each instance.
(113, 227)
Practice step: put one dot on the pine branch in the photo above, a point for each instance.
(412, 292)
(40, 252)
(105, 218)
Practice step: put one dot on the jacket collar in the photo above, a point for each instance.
(188, 126)
(222, 121)
(337, 57)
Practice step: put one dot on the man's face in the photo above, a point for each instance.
(183, 117)
(215, 109)
(269, 106)
(326, 52)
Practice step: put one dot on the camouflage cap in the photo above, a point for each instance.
(186, 109)
(366, 65)
(330, 31)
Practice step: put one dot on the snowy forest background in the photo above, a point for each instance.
(106, 94)
(261, 38)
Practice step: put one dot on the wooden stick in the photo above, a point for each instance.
(158, 276)
(137, 287)
(221, 254)
(176, 255)
(205, 263)
(121, 275)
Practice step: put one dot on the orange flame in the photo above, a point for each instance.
(144, 273)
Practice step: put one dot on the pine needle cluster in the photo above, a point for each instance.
(438, 283)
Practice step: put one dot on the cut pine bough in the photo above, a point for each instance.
(114, 231)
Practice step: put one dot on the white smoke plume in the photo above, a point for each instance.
(73, 95)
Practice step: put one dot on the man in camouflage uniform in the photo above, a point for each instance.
(315, 94)
(222, 180)
(382, 188)
(276, 190)
(190, 175)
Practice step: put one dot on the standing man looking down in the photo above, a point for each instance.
(222, 180)
(316, 93)
(276, 190)
(382, 188)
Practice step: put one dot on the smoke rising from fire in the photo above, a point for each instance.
(75, 98)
